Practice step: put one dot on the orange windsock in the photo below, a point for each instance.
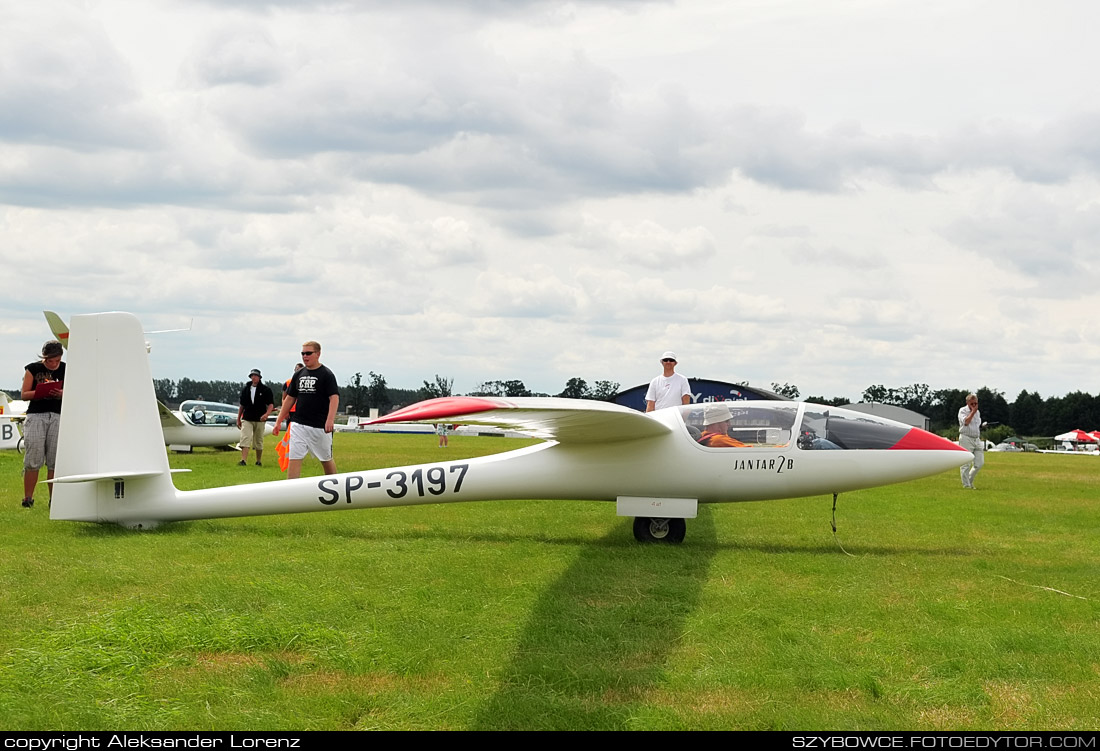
(282, 448)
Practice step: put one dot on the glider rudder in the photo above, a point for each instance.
(110, 450)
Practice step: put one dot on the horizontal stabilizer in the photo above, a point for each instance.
(109, 476)
(168, 418)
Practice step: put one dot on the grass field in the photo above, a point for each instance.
(945, 610)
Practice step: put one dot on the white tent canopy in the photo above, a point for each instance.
(1077, 436)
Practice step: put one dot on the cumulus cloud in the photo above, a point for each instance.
(565, 188)
(538, 293)
(647, 243)
(239, 54)
(77, 93)
(1050, 241)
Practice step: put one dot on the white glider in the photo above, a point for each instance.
(180, 433)
(111, 467)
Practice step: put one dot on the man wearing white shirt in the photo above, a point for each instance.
(668, 389)
(970, 438)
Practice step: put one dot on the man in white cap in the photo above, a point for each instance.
(669, 389)
(716, 425)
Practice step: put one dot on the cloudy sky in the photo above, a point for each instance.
(829, 194)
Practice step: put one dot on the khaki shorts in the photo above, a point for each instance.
(252, 434)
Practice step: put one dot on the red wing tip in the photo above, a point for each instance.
(435, 409)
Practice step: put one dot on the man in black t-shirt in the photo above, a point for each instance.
(315, 397)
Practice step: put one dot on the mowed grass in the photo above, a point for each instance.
(935, 608)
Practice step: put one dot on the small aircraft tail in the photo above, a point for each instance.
(58, 327)
(110, 443)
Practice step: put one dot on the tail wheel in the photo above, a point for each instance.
(648, 529)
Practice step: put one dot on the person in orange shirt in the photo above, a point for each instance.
(282, 448)
(716, 425)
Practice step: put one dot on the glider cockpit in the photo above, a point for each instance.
(199, 412)
(773, 425)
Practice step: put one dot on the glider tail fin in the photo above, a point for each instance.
(111, 459)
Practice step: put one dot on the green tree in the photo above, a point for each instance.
(998, 433)
(356, 399)
(501, 388)
(944, 415)
(878, 393)
(378, 395)
(605, 391)
(832, 401)
(1076, 409)
(188, 389)
(441, 387)
(1025, 411)
(576, 388)
(918, 398)
(993, 406)
(165, 389)
(788, 390)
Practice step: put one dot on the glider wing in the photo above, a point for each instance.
(549, 418)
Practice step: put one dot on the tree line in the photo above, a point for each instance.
(1028, 415)
(363, 393)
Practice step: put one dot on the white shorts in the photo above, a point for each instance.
(305, 439)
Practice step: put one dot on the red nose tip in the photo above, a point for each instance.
(921, 440)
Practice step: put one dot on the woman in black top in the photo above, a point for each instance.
(42, 388)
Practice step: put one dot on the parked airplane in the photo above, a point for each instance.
(12, 407)
(200, 423)
(12, 412)
(112, 468)
(187, 427)
(10, 435)
(181, 432)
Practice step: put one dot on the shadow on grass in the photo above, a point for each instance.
(703, 544)
(599, 638)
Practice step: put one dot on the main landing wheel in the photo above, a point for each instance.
(659, 530)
